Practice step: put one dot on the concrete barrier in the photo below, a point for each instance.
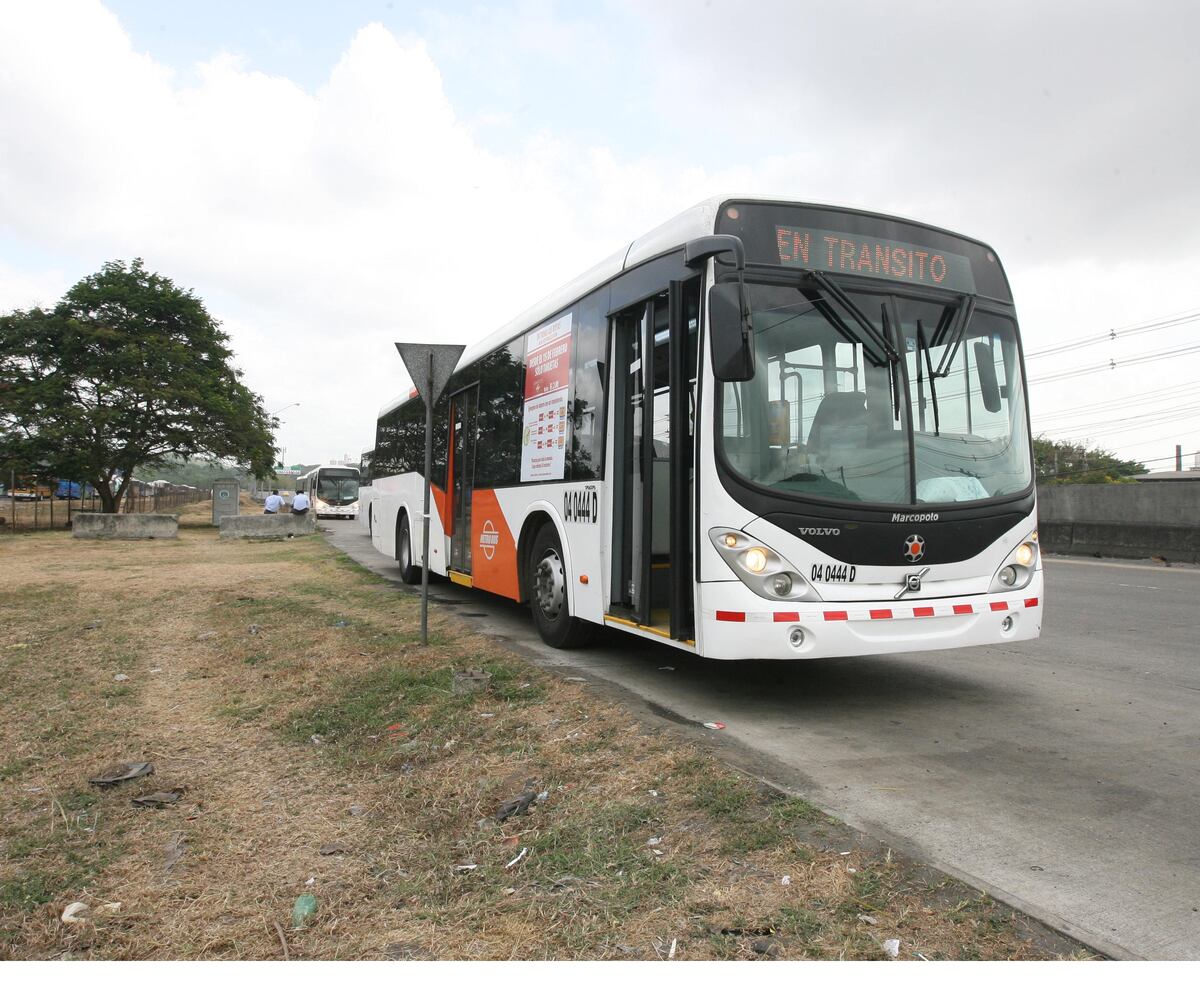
(281, 526)
(1130, 521)
(94, 525)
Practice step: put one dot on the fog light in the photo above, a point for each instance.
(782, 584)
(1025, 554)
(796, 637)
(1007, 624)
(1008, 576)
(755, 560)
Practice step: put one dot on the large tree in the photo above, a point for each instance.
(1065, 462)
(126, 370)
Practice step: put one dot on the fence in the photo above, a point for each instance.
(53, 512)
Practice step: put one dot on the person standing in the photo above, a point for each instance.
(300, 503)
(273, 504)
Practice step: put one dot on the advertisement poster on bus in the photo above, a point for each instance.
(547, 386)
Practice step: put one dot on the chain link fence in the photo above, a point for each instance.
(45, 513)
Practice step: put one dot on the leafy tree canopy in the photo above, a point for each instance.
(1060, 462)
(127, 370)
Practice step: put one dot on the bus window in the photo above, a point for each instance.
(589, 376)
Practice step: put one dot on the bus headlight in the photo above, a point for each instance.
(762, 569)
(1017, 570)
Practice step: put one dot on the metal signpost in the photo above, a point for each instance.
(430, 366)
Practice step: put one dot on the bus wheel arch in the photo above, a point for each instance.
(545, 583)
(404, 555)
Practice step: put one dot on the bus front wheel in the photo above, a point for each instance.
(409, 573)
(547, 576)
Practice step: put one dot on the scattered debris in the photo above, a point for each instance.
(157, 800)
(357, 810)
(864, 918)
(891, 948)
(156, 669)
(77, 912)
(517, 860)
(714, 725)
(317, 739)
(282, 939)
(520, 805)
(465, 867)
(304, 910)
(786, 880)
(333, 848)
(574, 679)
(765, 946)
(110, 775)
(341, 624)
(120, 677)
(92, 626)
(174, 851)
(852, 871)
(470, 681)
(653, 792)
(487, 716)
(671, 952)
(654, 842)
(205, 636)
(312, 880)
(543, 796)
(254, 629)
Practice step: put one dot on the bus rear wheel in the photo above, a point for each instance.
(409, 573)
(547, 576)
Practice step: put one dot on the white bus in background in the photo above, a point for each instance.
(765, 429)
(333, 491)
(366, 492)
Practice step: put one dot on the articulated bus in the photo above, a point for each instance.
(765, 429)
(333, 491)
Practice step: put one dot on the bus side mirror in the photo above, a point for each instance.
(985, 367)
(730, 336)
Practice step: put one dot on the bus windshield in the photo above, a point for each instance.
(337, 487)
(939, 417)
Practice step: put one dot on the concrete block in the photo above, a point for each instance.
(94, 525)
(281, 526)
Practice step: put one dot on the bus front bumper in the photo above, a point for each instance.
(814, 630)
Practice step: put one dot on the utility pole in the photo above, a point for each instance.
(1179, 458)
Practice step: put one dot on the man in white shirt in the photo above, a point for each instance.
(274, 503)
(300, 503)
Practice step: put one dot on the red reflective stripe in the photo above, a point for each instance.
(999, 605)
(787, 616)
(922, 612)
(963, 609)
(1031, 602)
(731, 615)
(882, 615)
(836, 616)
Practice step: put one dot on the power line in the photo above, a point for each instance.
(1154, 326)
(1115, 364)
(1137, 398)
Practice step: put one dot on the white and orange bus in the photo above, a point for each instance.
(766, 429)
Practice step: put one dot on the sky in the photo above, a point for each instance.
(331, 178)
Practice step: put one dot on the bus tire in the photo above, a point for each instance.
(409, 573)
(547, 575)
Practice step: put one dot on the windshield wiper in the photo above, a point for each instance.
(952, 331)
(923, 351)
(877, 347)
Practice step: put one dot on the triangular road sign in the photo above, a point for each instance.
(420, 359)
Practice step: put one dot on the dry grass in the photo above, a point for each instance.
(281, 687)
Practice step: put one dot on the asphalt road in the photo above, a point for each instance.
(1061, 776)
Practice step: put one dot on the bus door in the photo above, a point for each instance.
(464, 410)
(655, 360)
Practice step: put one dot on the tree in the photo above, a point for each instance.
(1060, 462)
(127, 370)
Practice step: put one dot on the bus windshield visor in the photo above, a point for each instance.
(337, 488)
(945, 422)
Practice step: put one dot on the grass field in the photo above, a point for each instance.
(321, 751)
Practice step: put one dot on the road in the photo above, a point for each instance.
(1061, 776)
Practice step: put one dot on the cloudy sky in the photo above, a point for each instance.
(333, 177)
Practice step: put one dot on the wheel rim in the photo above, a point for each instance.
(550, 584)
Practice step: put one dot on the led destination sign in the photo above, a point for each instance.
(842, 253)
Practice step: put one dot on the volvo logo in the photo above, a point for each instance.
(914, 548)
(912, 582)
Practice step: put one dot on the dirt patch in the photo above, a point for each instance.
(445, 802)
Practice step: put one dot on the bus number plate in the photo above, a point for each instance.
(834, 574)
